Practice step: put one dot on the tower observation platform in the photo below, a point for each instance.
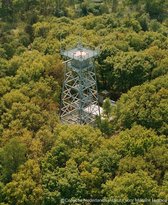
(79, 100)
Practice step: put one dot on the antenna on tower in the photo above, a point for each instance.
(79, 44)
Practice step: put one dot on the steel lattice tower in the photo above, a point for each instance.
(79, 101)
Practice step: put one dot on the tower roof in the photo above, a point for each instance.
(80, 53)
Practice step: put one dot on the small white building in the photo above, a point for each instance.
(94, 110)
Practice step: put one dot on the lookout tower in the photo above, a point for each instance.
(79, 101)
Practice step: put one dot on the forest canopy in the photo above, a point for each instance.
(124, 155)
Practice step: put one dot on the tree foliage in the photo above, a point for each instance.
(42, 161)
(146, 105)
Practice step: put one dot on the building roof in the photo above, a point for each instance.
(93, 109)
(80, 53)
